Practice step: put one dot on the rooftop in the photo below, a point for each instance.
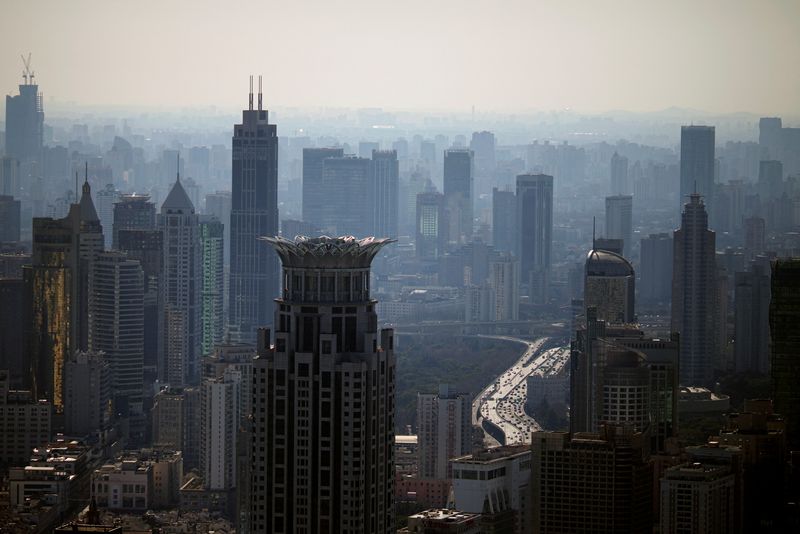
(344, 252)
(494, 454)
(605, 263)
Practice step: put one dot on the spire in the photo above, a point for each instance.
(88, 213)
(178, 171)
(177, 199)
(594, 232)
(259, 93)
(251, 92)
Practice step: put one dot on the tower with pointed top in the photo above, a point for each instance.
(254, 281)
(181, 283)
(57, 293)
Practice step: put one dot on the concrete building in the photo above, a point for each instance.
(620, 184)
(384, 193)
(212, 294)
(254, 279)
(751, 319)
(328, 387)
(126, 485)
(181, 281)
(784, 316)
(693, 292)
(504, 281)
(504, 221)
(346, 190)
(218, 205)
(609, 286)
(219, 429)
(176, 422)
(432, 223)
(105, 201)
(46, 484)
(459, 193)
(656, 268)
(24, 423)
(444, 430)
(496, 484)
(9, 219)
(445, 521)
(619, 221)
(88, 388)
(591, 482)
(313, 196)
(483, 145)
(24, 127)
(12, 328)
(132, 212)
(535, 233)
(697, 164)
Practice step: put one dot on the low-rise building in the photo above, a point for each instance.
(41, 483)
(696, 400)
(444, 520)
(123, 485)
(24, 425)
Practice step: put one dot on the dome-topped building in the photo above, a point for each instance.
(609, 286)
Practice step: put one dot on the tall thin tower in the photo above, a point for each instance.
(254, 213)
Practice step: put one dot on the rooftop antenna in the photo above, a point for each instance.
(76, 186)
(27, 74)
(178, 173)
(86, 172)
(251, 92)
(259, 92)
(594, 229)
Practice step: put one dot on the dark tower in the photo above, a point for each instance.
(254, 213)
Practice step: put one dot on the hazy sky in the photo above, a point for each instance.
(501, 55)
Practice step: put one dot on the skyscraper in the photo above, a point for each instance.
(619, 221)
(116, 326)
(25, 125)
(693, 292)
(620, 185)
(9, 219)
(483, 145)
(323, 397)
(656, 268)
(609, 286)
(254, 212)
(347, 209)
(313, 196)
(784, 316)
(106, 200)
(431, 226)
(219, 426)
(504, 220)
(219, 205)
(535, 232)
(211, 295)
(459, 192)
(182, 277)
(697, 164)
(504, 280)
(751, 320)
(444, 430)
(132, 212)
(384, 193)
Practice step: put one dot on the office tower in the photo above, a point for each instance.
(313, 196)
(535, 232)
(345, 189)
(478, 304)
(26, 423)
(384, 193)
(176, 422)
(619, 225)
(504, 281)
(444, 430)
(431, 226)
(9, 176)
(211, 293)
(697, 164)
(751, 319)
(12, 329)
(754, 237)
(784, 316)
(219, 205)
(693, 292)
(87, 394)
(219, 426)
(291, 228)
(769, 135)
(147, 247)
(483, 145)
(459, 192)
(9, 219)
(366, 148)
(132, 212)
(770, 180)
(609, 286)
(57, 284)
(656, 268)
(591, 482)
(25, 124)
(199, 164)
(620, 185)
(181, 282)
(504, 220)
(495, 483)
(327, 388)
(116, 326)
(106, 198)
(254, 278)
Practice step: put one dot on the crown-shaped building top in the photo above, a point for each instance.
(344, 252)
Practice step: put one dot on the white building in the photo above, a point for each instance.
(124, 485)
(219, 425)
(444, 430)
(504, 281)
(39, 482)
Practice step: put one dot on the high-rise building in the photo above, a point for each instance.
(459, 192)
(591, 482)
(619, 225)
(12, 331)
(366, 148)
(313, 196)
(26, 423)
(219, 205)
(656, 268)
(219, 426)
(384, 193)
(212, 294)
(116, 326)
(181, 283)
(444, 430)
(535, 232)
(754, 237)
(693, 292)
(25, 125)
(176, 422)
(620, 185)
(323, 397)
(105, 201)
(346, 190)
(431, 226)
(784, 316)
(57, 284)
(504, 281)
(87, 393)
(9, 177)
(609, 286)
(483, 145)
(254, 277)
(9, 219)
(504, 220)
(770, 180)
(697, 164)
(132, 212)
(751, 319)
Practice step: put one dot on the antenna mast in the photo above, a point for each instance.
(251, 92)
(27, 74)
(259, 93)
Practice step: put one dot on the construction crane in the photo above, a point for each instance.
(27, 74)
